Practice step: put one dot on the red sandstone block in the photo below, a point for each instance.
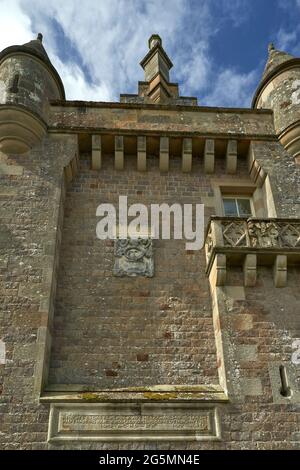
(116, 365)
(144, 293)
(111, 373)
(143, 357)
(168, 334)
(164, 307)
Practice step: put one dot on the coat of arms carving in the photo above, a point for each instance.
(134, 257)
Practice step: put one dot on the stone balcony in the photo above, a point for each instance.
(250, 242)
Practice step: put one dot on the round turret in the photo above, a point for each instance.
(279, 90)
(28, 81)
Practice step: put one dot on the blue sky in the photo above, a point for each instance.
(218, 47)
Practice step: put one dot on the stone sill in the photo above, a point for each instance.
(83, 393)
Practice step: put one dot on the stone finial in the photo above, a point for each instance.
(271, 47)
(153, 40)
(156, 62)
(156, 87)
(40, 37)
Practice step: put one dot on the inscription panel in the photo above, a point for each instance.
(139, 421)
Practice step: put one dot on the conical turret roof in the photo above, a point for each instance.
(277, 61)
(35, 48)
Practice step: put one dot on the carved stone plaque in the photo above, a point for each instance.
(134, 257)
(138, 421)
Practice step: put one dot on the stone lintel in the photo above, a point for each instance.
(96, 152)
(187, 155)
(250, 270)
(209, 156)
(231, 156)
(141, 153)
(119, 152)
(164, 154)
(280, 271)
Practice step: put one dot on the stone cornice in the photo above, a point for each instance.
(177, 107)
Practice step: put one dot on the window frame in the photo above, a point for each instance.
(236, 197)
(261, 197)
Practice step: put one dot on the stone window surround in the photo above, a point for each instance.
(237, 197)
(242, 187)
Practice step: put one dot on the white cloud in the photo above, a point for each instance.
(288, 40)
(76, 85)
(232, 87)
(109, 38)
(236, 11)
(195, 70)
(15, 25)
(288, 37)
(285, 38)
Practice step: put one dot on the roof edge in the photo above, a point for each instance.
(152, 106)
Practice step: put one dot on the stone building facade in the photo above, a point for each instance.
(140, 343)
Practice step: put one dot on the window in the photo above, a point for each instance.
(14, 86)
(237, 206)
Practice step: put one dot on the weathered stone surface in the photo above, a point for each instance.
(127, 118)
(134, 257)
(77, 337)
(27, 82)
(112, 319)
(279, 90)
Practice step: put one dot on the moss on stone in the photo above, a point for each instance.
(160, 396)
